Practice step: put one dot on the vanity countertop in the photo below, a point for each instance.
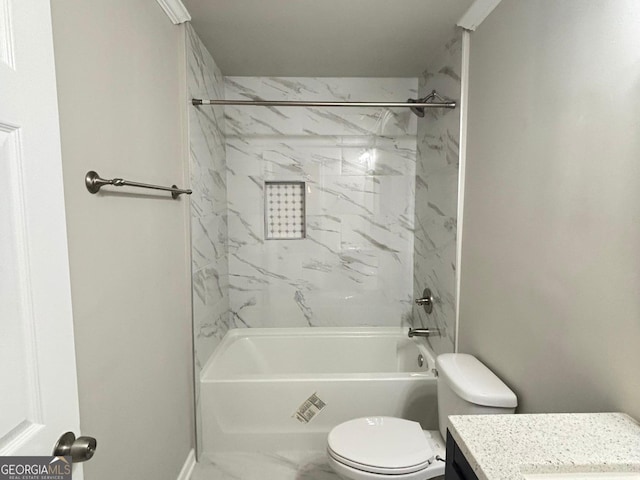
(504, 447)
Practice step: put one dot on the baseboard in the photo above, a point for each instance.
(188, 466)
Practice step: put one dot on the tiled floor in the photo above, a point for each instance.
(257, 466)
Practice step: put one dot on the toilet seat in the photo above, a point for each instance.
(436, 469)
(378, 469)
(379, 447)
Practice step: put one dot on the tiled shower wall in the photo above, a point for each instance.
(208, 201)
(437, 198)
(354, 266)
(208, 207)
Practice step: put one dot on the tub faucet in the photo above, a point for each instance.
(424, 332)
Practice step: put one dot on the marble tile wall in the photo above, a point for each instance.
(437, 198)
(208, 207)
(355, 265)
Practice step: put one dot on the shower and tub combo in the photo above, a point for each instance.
(274, 393)
(274, 389)
(375, 398)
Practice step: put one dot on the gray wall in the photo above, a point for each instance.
(550, 260)
(434, 254)
(121, 89)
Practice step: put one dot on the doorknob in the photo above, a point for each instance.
(79, 449)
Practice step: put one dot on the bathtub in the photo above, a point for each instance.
(283, 389)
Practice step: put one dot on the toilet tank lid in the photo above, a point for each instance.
(472, 381)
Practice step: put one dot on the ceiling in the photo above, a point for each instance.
(325, 38)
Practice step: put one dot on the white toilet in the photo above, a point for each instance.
(384, 447)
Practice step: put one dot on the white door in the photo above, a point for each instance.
(38, 384)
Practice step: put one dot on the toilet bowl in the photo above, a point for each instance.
(395, 448)
(383, 447)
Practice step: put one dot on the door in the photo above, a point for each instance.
(38, 385)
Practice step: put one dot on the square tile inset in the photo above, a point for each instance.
(284, 210)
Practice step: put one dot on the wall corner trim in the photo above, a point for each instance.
(187, 468)
(175, 10)
(462, 171)
(476, 14)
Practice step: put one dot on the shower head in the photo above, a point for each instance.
(419, 111)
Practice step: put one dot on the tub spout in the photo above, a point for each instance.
(424, 332)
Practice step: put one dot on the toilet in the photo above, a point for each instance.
(389, 447)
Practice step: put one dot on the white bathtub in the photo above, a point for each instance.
(255, 382)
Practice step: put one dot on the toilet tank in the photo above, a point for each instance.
(467, 387)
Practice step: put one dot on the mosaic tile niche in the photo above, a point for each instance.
(284, 210)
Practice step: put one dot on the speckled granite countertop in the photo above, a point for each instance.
(504, 447)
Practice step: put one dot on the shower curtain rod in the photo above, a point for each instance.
(278, 103)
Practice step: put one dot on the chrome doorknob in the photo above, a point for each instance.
(79, 449)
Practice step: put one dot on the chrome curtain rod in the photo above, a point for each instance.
(417, 106)
(94, 183)
(278, 103)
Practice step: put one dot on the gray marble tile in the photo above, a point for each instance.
(359, 166)
(437, 270)
(436, 197)
(209, 230)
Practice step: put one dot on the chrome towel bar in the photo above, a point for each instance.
(94, 183)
